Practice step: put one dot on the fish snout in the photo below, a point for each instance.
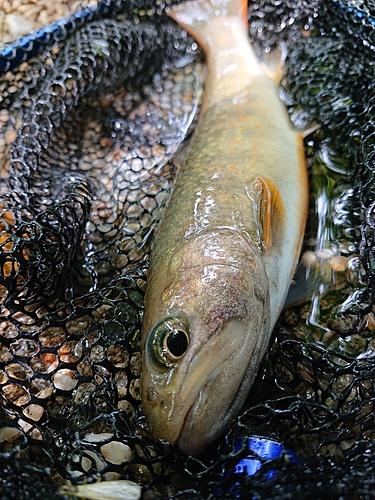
(163, 418)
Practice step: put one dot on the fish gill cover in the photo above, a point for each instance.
(93, 110)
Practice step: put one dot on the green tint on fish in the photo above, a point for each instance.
(225, 252)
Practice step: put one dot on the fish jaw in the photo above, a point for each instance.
(219, 401)
(225, 309)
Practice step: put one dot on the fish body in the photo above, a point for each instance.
(225, 252)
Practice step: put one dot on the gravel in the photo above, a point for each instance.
(19, 17)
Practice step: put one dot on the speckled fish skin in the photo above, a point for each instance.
(226, 250)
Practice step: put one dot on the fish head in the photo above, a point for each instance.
(204, 334)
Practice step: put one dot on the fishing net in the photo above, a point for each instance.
(94, 114)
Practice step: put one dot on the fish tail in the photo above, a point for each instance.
(194, 15)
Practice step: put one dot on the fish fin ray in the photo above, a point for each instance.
(271, 212)
(273, 63)
(194, 15)
(313, 279)
(310, 130)
(302, 287)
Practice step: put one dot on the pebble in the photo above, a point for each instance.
(70, 352)
(25, 348)
(17, 25)
(106, 490)
(91, 437)
(135, 389)
(118, 356)
(64, 380)
(19, 17)
(325, 253)
(84, 391)
(8, 330)
(34, 412)
(41, 388)
(3, 378)
(121, 379)
(116, 453)
(339, 263)
(52, 336)
(19, 371)
(9, 434)
(45, 363)
(370, 322)
(16, 394)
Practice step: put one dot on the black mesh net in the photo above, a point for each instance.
(94, 114)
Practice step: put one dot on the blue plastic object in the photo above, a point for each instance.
(262, 448)
(265, 448)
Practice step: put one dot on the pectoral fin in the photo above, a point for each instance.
(313, 278)
(269, 212)
(273, 63)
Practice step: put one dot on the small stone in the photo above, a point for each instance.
(135, 364)
(291, 316)
(91, 437)
(18, 25)
(9, 434)
(45, 363)
(370, 322)
(135, 389)
(34, 412)
(16, 394)
(116, 453)
(19, 371)
(64, 380)
(339, 263)
(106, 490)
(41, 388)
(325, 253)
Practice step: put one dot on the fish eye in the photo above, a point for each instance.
(170, 340)
(175, 342)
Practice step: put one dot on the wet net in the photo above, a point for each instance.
(94, 114)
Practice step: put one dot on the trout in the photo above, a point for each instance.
(225, 252)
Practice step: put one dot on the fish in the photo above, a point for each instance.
(225, 252)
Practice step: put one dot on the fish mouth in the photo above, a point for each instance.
(193, 439)
(214, 407)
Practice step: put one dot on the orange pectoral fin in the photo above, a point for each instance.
(271, 211)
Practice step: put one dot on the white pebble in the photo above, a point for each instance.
(116, 453)
(91, 437)
(106, 490)
(18, 25)
(64, 380)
